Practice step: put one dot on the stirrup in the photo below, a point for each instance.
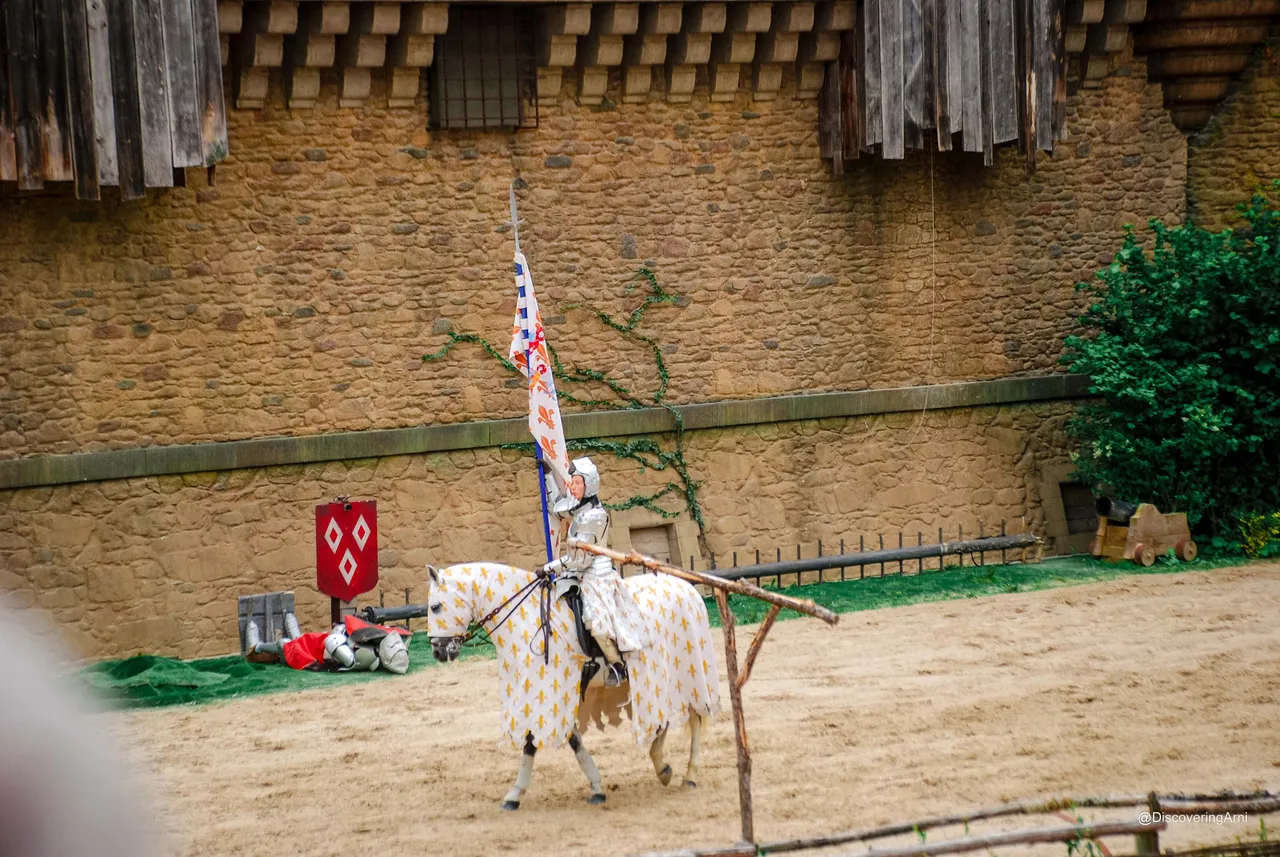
(615, 675)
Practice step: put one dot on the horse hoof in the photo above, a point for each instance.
(690, 784)
(664, 776)
(595, 799)
(511, 805)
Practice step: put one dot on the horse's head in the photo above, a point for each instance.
(452, 605)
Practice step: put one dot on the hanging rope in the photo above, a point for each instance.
(933, 310)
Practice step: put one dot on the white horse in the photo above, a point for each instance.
(672, 682)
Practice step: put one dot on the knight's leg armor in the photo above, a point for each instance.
(256, 651)
(617, 670)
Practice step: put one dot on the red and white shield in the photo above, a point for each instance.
(347, 548)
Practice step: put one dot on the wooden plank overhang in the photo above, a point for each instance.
(109, 93)
(130, 92)
(972, 74)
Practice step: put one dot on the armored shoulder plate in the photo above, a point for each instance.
(590, 524)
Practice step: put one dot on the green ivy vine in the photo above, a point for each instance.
(650, 454)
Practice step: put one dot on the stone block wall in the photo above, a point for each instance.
(1238, 149)
(298, 293)
(156, 564)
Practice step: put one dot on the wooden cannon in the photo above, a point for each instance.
(1140, 533)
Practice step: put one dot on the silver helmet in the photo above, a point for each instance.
(590, 475)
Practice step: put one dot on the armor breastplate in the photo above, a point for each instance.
(590, 524)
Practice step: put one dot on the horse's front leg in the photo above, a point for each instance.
(588, 766)
(512, 800)
(660, 766)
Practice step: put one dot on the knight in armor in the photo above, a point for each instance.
(609, 611)
(353, 646)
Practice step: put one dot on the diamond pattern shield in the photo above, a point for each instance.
(347, 548)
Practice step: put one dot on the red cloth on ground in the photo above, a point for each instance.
(309, 648)
(305, 650)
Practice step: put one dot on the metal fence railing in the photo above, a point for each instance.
(910, 556)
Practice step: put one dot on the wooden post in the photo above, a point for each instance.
(1148, 841)
(739, 722)
(756, 642)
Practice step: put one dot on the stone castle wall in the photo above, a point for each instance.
(297, 295)
(156, 564)
(1237, 150)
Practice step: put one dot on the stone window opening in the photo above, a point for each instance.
(485, 70)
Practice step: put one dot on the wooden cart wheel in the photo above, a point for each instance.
(1186, 550)
(1144, 555)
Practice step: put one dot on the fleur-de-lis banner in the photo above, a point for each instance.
(529, 338)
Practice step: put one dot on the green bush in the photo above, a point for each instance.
(1183, 349)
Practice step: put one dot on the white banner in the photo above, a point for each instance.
(529, 338)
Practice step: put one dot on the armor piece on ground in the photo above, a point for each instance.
(394, 654)
(353, 646)
(338, 649)
(258, 651)
(364, 659)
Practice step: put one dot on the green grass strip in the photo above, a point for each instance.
(148, 681)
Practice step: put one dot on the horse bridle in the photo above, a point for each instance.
(542, 582)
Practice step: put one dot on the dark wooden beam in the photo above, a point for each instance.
(913, 75)
(25, 90)
(103, 102)
(891, 79)
(180, 58)
(971, 75)
(939, 18)
(55, 123)
(125, 99)
(8, 158)
(1003, 53)
(153, 92)
(213, 117)
(84, 147)
(871, 71)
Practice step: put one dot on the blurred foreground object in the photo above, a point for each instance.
(65, 789)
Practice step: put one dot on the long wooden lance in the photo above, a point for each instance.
(737, 587)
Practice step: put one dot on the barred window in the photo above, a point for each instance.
(485, 71)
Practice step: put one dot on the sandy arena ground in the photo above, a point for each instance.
(1167, 682)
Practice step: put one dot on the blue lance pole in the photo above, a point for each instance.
(528, 362)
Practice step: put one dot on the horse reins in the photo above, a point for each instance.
(522, 594)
